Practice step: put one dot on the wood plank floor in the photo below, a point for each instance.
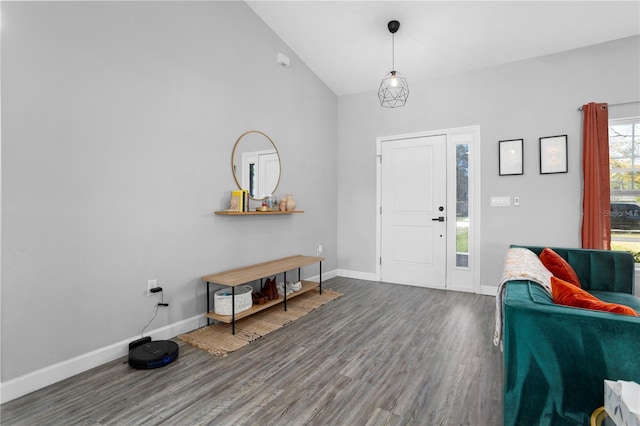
(382, 354)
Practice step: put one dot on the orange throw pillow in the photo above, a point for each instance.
(567, 294)
(559, 267)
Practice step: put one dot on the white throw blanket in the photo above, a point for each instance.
(519, 264)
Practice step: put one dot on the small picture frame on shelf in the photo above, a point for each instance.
(553, 155)
(510, 157)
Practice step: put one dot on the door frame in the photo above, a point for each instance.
(456, 278)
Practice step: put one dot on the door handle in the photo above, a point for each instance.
(438, 219)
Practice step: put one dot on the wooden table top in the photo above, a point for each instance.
(250, 273)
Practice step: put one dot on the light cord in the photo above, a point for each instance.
(393, 52)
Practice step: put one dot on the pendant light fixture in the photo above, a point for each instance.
(394, 90)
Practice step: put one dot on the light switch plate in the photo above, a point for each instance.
(502, 201)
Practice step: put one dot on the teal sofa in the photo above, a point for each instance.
(556, 357)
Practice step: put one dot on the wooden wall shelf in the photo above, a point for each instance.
(254, 213)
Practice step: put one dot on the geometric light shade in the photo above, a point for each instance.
(393, 91)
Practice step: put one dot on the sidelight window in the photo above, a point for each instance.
(462, 205)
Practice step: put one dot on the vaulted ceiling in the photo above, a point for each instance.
(347, 44)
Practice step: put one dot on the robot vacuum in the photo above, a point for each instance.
(145, 354)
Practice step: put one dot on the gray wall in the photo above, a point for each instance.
(118, 122)
(528, 99)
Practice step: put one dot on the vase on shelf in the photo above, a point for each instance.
(291, 203)
(283, 204)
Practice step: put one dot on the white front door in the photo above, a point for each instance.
(268, 173)
(413, 217)
(260, 172)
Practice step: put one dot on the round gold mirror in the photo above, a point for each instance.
(255, 163)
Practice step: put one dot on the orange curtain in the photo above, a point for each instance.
(596, 200)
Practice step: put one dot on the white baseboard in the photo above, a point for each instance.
(325, 276)
(484, 289)
(49, 375)
(488, 290)
(357, 275)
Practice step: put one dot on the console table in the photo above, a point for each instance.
(247, 274)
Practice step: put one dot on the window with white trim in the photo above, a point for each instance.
(624, 169)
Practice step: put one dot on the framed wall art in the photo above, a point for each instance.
(510, 157)
(553, 154)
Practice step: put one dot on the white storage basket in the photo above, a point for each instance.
(222, 300)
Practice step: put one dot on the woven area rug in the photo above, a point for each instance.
(218, 340)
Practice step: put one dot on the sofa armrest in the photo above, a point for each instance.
(599, 270)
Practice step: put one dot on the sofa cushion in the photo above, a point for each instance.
(559, 267)
(567, 294)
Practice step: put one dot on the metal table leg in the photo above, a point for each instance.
(208, 303)
(284, 290)
(233, 310)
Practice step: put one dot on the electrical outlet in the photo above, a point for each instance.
(151, 284)
(320, 249)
